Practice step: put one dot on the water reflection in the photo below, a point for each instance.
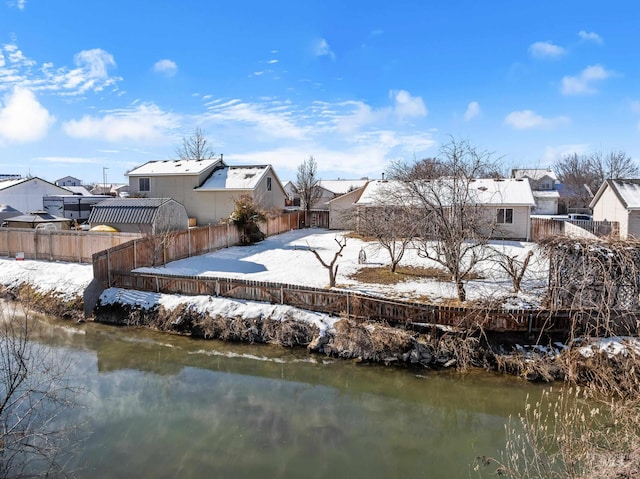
(168, 406)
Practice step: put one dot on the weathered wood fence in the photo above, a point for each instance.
(542, 228)
(348, 303)
(52, 245)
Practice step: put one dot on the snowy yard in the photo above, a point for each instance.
(286, 258)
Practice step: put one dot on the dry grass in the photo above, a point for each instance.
(382, 275)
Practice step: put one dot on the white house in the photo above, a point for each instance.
(508, 202)
(331, 189)
(68, 181)
(544, 187)
(26, 194)
(619, 200)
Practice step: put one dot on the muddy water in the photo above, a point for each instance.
(164, 406)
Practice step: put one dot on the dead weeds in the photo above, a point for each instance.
(382, 275)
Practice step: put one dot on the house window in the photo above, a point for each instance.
(505, 215)
(143, 184)
(268, 183)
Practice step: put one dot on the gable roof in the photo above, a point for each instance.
(489, 191)
(127, 210)
(174, 167)
(6, 184)
(626, 190)
(534, 173)
(235, 178)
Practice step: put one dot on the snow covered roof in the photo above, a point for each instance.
(340, 187)
(534, 173)
(174, 167)
(234, 178)
(4, 184)
(78, 190)
(546, 193)
(513, 192)
(627, 191)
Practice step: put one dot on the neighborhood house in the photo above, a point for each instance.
(619, 200)
(207, 188)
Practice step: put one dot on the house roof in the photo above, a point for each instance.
(512, 192)
(78, 190)
(235, 178)
(6, 184)
(534, 173)
(174, 167)
(340, 187)
(546, 193)
(126, 210)
(37, 217)
(627, 191)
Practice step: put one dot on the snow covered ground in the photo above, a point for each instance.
(286, 258)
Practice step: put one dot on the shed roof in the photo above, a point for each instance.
(127, 210)
(174, 167)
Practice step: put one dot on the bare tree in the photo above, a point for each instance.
(307, 183)
(454, 226)
(393, 226)
(35, 391)
(582, 175)
(332, 266)
(515, 266)
(195, 147)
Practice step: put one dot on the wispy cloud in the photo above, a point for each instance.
(166, 67)
(590, 37)
(19, 4)
(68, 160)
(23, 118)
(528, 119)
(585, 81)
(546, 50)
(473, 110)
(145, 122)
(407, 106)
(91, 72)
(321, 48)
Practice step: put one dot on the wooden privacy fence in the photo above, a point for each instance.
(542, 228)
(160, 249)
(348, 303)
(53, 245)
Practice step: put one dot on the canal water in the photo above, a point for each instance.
(157, 405)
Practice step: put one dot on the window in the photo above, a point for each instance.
(143, 184)
(505, 215)
(268, 183)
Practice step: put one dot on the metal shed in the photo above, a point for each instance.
(140, 215)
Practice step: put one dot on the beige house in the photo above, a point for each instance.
(619, 200)
(341, 210)
(508, 203)
(543, 183)
(207, 188)
(330, 189)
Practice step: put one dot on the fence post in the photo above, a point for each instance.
(281, 294)
(348, 305)
(108, 268)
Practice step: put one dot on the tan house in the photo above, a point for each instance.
(330, 189)
(619, 200)
(207, 188)
(508, 202)
(341, 210)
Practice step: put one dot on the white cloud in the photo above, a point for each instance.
(590, 37)
(271, 62)
(144, 122)
(555, 153)
(584, 82)
(407, 106)
(167, 67)
(91, 72)
(528, 119)
(23, 118)
(19, 4)
(68, 160)
(546, 50)
(473, 110)
(321, 48)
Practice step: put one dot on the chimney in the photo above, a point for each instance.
(383, 176)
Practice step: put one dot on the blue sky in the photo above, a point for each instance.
(91, 85)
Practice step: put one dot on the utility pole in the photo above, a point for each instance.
(104, 180)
